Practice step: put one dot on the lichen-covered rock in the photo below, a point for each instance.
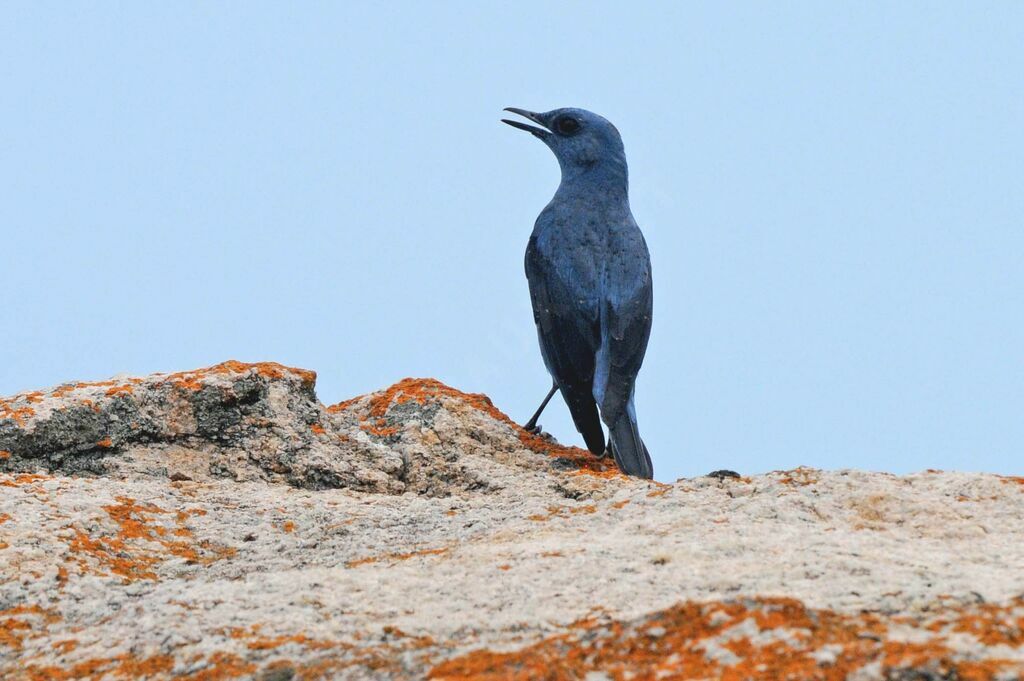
(263, 422)
(453, 440)
(418, 533)
(242, 421)
(768, 638)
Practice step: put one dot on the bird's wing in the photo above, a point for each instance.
(625, 330)
(569, 334)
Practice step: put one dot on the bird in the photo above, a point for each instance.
(589, 275)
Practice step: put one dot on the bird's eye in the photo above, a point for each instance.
(567, 125)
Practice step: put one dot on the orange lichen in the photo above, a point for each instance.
(120, 390)
(22, 479)
(660, 490)
(556, 511)
(222, 666)
(106, 443)
(68, 388)
(193, 380)
(992, 624)
(422, 390)
(380, 428)
(131, 668)
(10, 632)
(108, 552)
(620, 504)
(21, 622)
(116, 387)
(123, 666)
(396, 557)
(553, 512)
(120, 667)
(342, 655)
(677, 644)
(587, 463)
(63, 390)
(256, 641)
(65, 647)
(342, 406)
(798, 477)
(4, 454)
(317, 428)
(140, 544)
(272, 642)
(288, 526)
(18, 414)
(4, 517)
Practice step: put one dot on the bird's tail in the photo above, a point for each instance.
(629, 450)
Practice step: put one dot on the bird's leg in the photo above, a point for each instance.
(531, 425)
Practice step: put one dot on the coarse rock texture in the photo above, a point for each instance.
(222, 523)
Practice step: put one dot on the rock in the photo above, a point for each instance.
(263, 422)
(222, 523)
(233, 420)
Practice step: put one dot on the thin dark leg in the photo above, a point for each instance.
(531, 425)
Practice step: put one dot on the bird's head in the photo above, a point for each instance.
(581, 140)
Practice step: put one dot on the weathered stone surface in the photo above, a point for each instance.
(416, 532)
(241, 421)
(263, 422)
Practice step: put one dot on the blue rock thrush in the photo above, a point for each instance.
(590, 283)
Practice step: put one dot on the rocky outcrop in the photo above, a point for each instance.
(263, 422)
(222, 524)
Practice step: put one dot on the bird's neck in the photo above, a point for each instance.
(609, 178)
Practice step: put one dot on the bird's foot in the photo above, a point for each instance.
(535, 429)
(605, 454)
(723, 474)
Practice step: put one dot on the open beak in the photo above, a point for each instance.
(540, 133)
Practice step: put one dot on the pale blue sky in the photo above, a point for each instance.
(831, 192)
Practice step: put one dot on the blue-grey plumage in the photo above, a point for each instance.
(589, 274)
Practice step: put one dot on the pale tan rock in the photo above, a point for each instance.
(417, 532)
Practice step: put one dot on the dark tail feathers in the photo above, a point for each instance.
(629, 450)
